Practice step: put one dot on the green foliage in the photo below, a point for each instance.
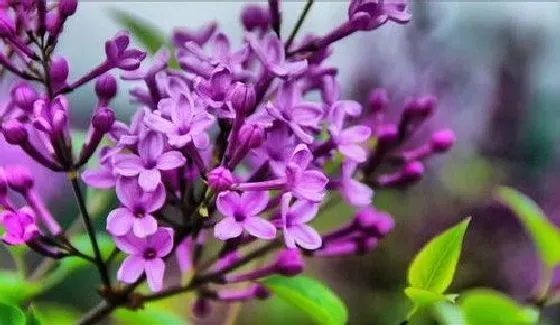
(310, 296)
(151, 38)
(14, 289)
(432, 270)
(545, 235)
(11, 315)
(31, 317)
(147, 316)
(483, 307)
(449, 314)
(55, 314)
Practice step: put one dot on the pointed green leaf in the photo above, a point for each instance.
(449, 314)
(545, 235)
(483, 307)
(11, 315)
(434, 266)
(310, 296)
(14, 289)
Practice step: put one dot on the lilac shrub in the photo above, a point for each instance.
(229, 148)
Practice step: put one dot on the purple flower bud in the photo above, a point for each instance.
(378, 223)
(387, 135)
(23, 96)
(53, 21)
(419, 109)
(201, 308)
(255, 17)
(59, 70)
(443, 140)
(19, 178)
(106, 87)
(67, 7)
(413, 171)
(220, 179)
(243, 99)
(378, 100)
(14, 132)
(103, 119)
(289, 262)
(251, 135)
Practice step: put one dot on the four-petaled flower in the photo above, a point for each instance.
(270, 51)
(240, 212)
(349, 140)
(145, 255)
(294, 219)
(300, 181)
(19, 226)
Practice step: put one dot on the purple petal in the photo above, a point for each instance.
(159, 123)
(228, 203)
(300, 133)
(221, 80)
(227, 228)
(354, 152)
(354, 134)
(201, 140)
(253, 202)
(307, 114)
(179, 141)
(131, 269)
(303, 211)
(170, 160)
(153, 201)
(182, 112)
(302, 156)
(155, 268)
(145, 226)
(149, 179)
(311, 186)
(260, 228)
(356, 193)
(351, 107)
(162, 241)
(306, 237)
(201, 122)
(128, 191)
(150, 147)
(128, 164)
(119, 221)
(102, 178)
(221, 46)
(130, 244)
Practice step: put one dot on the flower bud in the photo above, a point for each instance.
(14, 132)
(413, 171)
(23, 96)
(53, 21)
(103, 119)
(372, 221)
(106, 86)
(19, 178)
(387, 135)
(289, 262)
(378, 100)
(220, 179)
(251, 135)
(255, 17)
(243, 99)
(443, 140)
(419, 109)
(67, 7)
(59, 70)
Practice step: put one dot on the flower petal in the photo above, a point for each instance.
(260, 228)
(153, 201)
(354, 152)
(159, 123)
(227, 228)
(253, 202)
(102, 178)
(149, 179)
(128, 164)
(201, 140)
(306, 237)
(302, 156)
(150, 147)
(162, 241)
(228, 203)
(356, 193)
(155, 268)
(307, 114)
(128, 191)
(130, 244)
(354, 134)
(119, 221)
(145, 226)
(170, 160)
(131, 269)
(303, 211)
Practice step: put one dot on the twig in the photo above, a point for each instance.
(299, 23)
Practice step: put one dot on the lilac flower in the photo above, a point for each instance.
(188, 122)
(19, 225)
(200, 36)
(297, 114)
(145, 255)
(380, 11)
(240, 212)
(118, 54)
(221, 53)
(354, 192)
(304, 183)
(136, 213)
(276, 150)
(51, 118)
(152, 159)
(105, 177)
(294, 219)
(214, 92)
(348, 140)
(270, 51)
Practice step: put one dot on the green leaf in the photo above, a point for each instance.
(545, 235)
(147, 316)
(310, 296)
(11, 315)
(449, 314)
(434, 266)
(483, 307)
(14, 289)
(31, 317)
(56, 314)
(423, 297)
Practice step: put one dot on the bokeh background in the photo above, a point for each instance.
(495, 67)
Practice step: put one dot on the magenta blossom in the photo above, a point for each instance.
(350, 141)
(304, 183)
(145, 255)
(138, 206)
(19, 225)
(270, 51)
(150, 161)
(380, 11)
(240, 212)
(294, 220)
(356, 193)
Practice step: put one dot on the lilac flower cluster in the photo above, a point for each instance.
(230, 145)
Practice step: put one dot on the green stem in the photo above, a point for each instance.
(299, 23)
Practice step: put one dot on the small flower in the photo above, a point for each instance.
(303, 183)
(214, 92)
(220, 179)
(136, 213)
(240, 212)
(145, 255)
(150, 162)
(118, 54)
(19, 225)
(294, 220)
(354, 192)
(349, 141)
(51, 117)
(270, 51)
(380, 11)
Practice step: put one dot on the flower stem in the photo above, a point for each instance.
(299, 23)
(91, 232)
